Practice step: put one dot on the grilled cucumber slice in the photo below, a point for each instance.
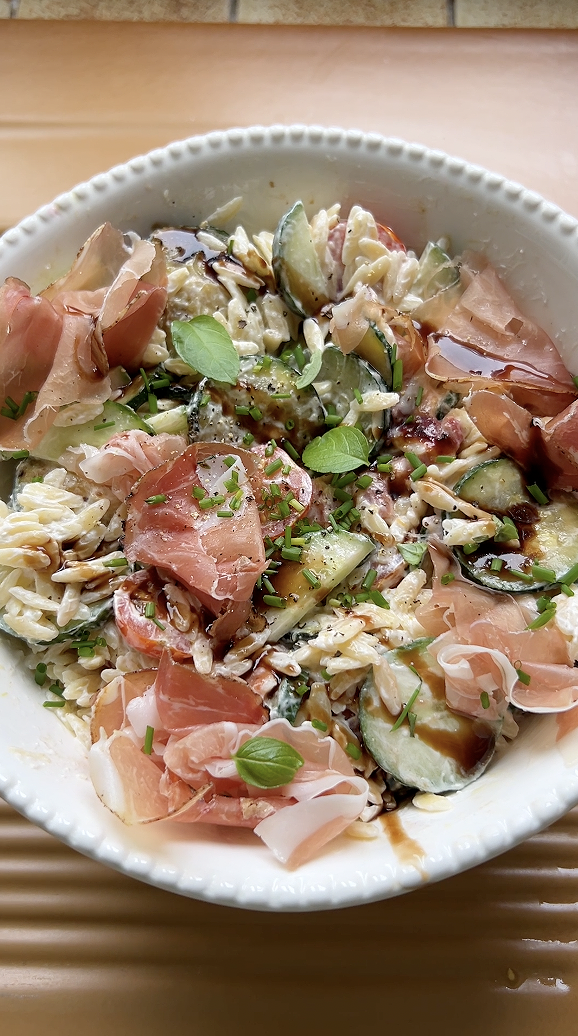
(548, 533)
(329, 557)
(115, 418)
(337, 382)
(266, 386)
(446, 751)
(296, 266)
(376, 350)
(436, 272)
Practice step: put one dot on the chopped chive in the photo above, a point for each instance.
(497, 564)
(229, 461)
(570, 577)
(158, 383)
(447, 578)
(566, 590)
(291, 553)
(11, 404)
(376, 597)
(412, 720)
(544, 603)
(341, 494)
(53, 704)
(419, 395)
(542, 619)
(418, 473)
(289, 424)
(385, 469)
(148, 741)
(522, 575)
(225, 514)
(485, 700)
(297, 506)
(361, 598)
(105, 424)
(343, 509)
(397, 381)
(153, 403)
(286, 469)
(369, 579)
(575, 380)
(270, 449)
(290, 449)
(28, 398)
(231, 485)
(406, 709)
(160, 498)
(346, 480)
(236, 501)
(287, 537)
(274, 601)
(354, 515)
(319, 724)
(150, 610)
(444, 458)
(56, 688)
(358, 395)
(470, 548)
(251, 295)
(301, 689)
(248, 439)
(19, 455)
(364, 481)
(85, 651)
(274, 466)
(508, 531)
(332, 420)
(206, 503)
(411, 457)
(242, 411)
(283, 509)
(115, 563)
(546, 574)
(311, 578)
(274, 490)
(280, 395)
(40, 676)
(269, 585)
(255, 413)
(538, 494)
(159, 624)
(199, 493)
(523, 677)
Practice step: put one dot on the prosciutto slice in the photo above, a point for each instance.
(488, 340)
(124, 458)
(186, 698)
(222, 557)
(483, 639)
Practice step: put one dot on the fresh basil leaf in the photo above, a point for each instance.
(340, 449)
(310, 371)
(204, 344)
(266, 762)
(412, 552)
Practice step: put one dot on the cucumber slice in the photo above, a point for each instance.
(548, 533)
(329, 556)
(284, 703)
(115, 417)
(296, 266)
(174, 421)
(270, 387)
(436, 272)
(376, 350)
(447, 751)
(340, 376)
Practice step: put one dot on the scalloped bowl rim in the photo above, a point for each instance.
(43, 771)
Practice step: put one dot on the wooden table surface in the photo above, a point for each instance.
(84, 950)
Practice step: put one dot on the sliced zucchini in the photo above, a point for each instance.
(376, 350)
(29, 470)
(548, 533)
(328, 557)
(173, 421)
(285, 702)
(114, 418)
(266, 386)
(436, 272)
(296, 266)
(339, 379)
(438, 750)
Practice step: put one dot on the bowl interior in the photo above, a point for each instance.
(422, 195)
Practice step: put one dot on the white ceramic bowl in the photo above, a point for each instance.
(422, 194)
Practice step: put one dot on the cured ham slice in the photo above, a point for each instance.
(483, 639)
(289, 477)
(152, 635)
(488, 340)
(559, 439)
(504, 424)
(219, 556)
(122, 285)
(186, 698)
(127, 456)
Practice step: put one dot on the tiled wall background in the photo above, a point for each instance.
(526, 14)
